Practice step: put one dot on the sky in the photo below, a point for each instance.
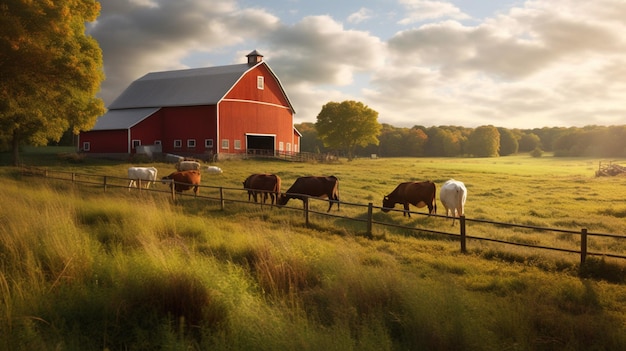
(513, 64)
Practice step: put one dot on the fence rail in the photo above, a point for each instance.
(108, 182)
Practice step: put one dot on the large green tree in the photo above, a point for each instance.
(484, 142)
(346, 125)
(51, 71)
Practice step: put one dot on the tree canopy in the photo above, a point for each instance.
(346, 125)
(51, 71)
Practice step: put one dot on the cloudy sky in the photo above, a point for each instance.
(514, 64)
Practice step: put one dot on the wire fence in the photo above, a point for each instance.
(221, 196)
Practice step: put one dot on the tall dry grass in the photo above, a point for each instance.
(82, 269)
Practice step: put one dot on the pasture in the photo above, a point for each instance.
(88, 269)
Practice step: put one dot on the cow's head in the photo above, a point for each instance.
(387, 204)
(282, 200)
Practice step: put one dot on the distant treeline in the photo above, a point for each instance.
(484, 141)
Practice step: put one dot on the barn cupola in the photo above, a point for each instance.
(254, 57)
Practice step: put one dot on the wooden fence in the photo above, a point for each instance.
(218, 194)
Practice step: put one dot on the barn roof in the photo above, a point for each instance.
(189, 87)
(123, 119)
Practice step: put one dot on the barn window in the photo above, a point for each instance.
(157, 142)
(86, 146)
(288, 147)
(136, 143)
(208, 143)
(237, 144)
(260, 82)
(225, 144)
(281, 146)
(178, 143)
(191, 143)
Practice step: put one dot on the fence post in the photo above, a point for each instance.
(173, 189)
(139, 184)
(463, 234)
(105, 183)
(370, 207)
(221, 198)
(305, 201)
(583, 245)
(73, 177)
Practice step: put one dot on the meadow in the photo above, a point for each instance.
(83, 269)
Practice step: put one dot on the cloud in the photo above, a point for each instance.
(143, 36)
(420, 10)
(543, 62)
(362, 15)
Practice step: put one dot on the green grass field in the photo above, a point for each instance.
(84, 269)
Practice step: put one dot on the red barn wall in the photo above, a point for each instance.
(246, 109)
(105, 141)
(188, 122)
(246, 88)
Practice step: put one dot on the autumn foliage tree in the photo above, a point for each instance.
(346, 125)
(484, 142)
(51, 71)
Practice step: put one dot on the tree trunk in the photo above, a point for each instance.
(16, 148)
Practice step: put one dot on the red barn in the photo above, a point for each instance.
(204, 112)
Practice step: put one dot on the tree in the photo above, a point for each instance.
(484, 142)
(508, 142)
(51, 71)
(310, 141)
(346, 125)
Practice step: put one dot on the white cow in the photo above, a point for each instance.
(214, 170)
(148, 174)
(453, 195)
(187, 166)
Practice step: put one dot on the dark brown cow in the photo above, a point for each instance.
(323, 187)
(266, 184)
(418, 194)
(184, 180)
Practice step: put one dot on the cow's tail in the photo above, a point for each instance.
(434, 199)
(460, 205)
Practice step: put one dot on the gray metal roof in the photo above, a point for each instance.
(189, 87)
(123, 119)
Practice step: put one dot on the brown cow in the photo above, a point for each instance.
(184, 180)
(267, 184)
(418, 194)
(323, 187)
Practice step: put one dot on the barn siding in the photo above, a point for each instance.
(239, 118)
(147, 131)
(246, 88)
(105, 141)
(188, 122)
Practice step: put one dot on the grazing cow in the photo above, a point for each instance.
(214, 170)
(313, 186)
(453, 195)
(184, 180)
(418, 194)
(187, 166)
(135, 174)
(267, 184)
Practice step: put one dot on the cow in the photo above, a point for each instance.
(267, 184)
(184, 180)
(214, 170)
(136, 174)
(418, 194)
(188, 166)
(322, 187)
(453, 195)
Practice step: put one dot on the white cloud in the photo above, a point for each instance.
(544, 62)
(362, 15)
(420, 10)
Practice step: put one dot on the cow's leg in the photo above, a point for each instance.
(406, 210)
